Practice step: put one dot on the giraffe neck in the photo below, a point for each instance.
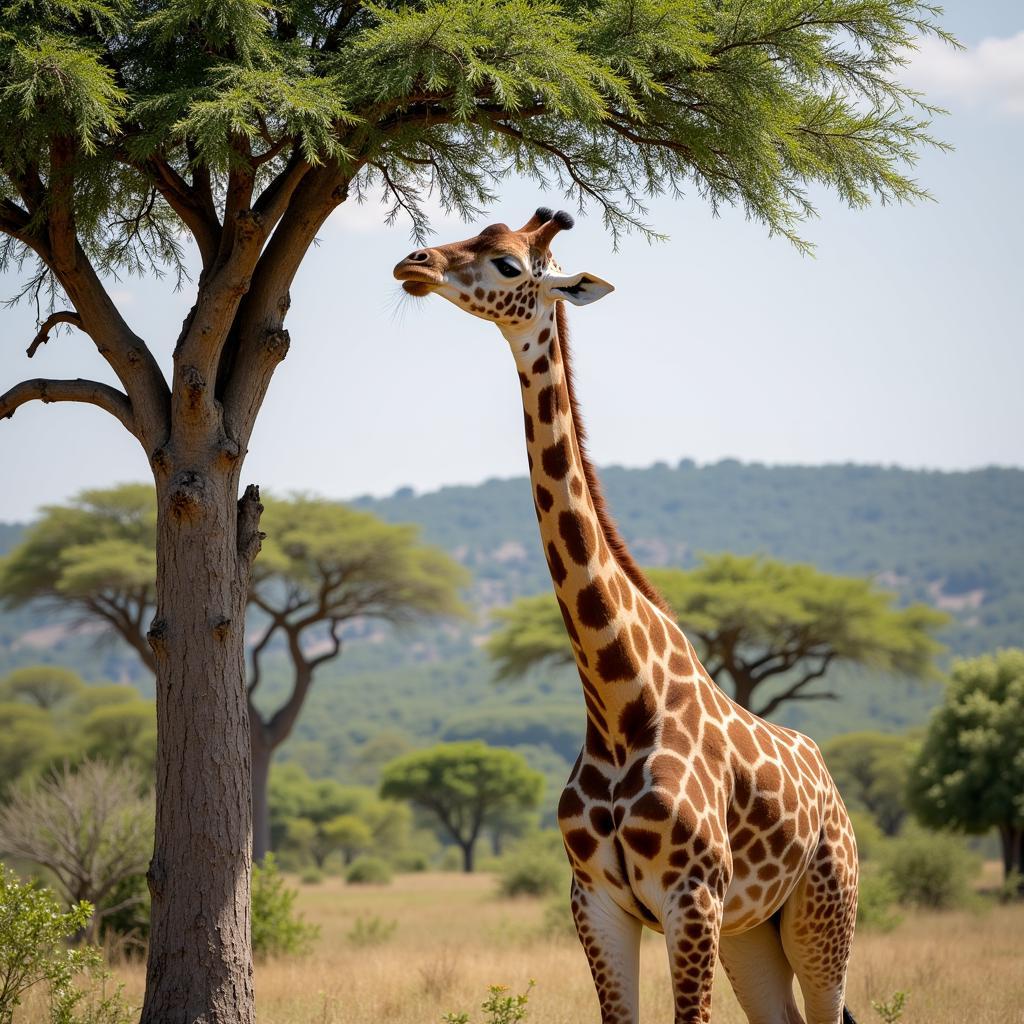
(606, 603)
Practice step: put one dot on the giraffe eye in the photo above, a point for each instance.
(506, 267)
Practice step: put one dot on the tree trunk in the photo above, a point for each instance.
(467, 856)
(1012, 841)
(262, 752)
(200, 961)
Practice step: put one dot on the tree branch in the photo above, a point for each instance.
(43, 335)
(91, 392)
(794, 692)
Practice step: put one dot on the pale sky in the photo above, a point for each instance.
(899, 342)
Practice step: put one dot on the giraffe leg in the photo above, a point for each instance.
(817, 931)
(611, 939)
(692, 921)
(760, 974)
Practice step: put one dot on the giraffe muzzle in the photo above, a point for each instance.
(421, 271)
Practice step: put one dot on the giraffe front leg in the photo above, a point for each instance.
(611, 940)
(693, 922)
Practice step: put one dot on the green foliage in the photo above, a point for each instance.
(45, 686)
(891, 1010)
(368, 871)
(928, 870)
(320, 817)
(371, 931)
(34, 932)
(969, 773)
(870, 837)
(535, 866)
(276, 929)
(462, 785)
(499, 1007)
(872, 772)
(753, 619)
(876, 903)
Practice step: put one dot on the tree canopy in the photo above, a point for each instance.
(464, 786)
(754, 621)
(969, 773)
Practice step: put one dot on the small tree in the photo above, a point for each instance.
(754, 621)
(463, 785)
(969, 773)
(45, 686)
(871, 770)
(90, 827)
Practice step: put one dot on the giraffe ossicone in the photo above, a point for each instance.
(684, 811)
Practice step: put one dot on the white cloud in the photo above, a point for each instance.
(990, 74)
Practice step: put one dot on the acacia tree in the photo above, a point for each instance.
(137, 132)
(322, 565)
(465, 787)
(755, 621)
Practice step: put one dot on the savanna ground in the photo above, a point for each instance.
(454, 937)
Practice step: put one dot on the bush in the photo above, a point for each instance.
(33, 951)
(276, 928)
(371, 931)
(870, 837)
(876, 903)
(311, 876)
(535, 867)
(499, 1007)
(368, 871)
(928, 869)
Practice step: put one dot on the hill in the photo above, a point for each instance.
(951, 539)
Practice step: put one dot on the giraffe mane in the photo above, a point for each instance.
(619, 550)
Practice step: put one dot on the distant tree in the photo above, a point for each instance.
(45, 686)
(116, 733)
(97, 556)
(770, 628)
(464, 786)
(28, 741)
(871, 770)
(90, 827)
(322, 565)
(969, 773)
(319, 817)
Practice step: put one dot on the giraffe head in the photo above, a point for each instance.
(507, 277)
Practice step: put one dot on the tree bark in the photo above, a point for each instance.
(200, 965)
(467, 856)
(1012, 842)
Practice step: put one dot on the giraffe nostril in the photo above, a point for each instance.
(419, 256)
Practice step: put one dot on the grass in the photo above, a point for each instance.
(455, 937)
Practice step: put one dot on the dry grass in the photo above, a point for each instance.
(455, 937)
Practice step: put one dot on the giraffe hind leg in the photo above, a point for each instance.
(817, 931)
(611, 940)
(760, 975)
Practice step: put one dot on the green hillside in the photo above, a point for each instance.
(955, 540)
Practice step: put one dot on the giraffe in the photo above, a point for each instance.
(684, 811)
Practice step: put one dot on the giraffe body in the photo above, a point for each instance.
(684, 811)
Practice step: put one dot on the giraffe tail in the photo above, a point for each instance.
(848, 1017)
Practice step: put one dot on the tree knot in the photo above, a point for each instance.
(187, 495)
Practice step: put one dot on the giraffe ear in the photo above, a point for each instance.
(579, 289)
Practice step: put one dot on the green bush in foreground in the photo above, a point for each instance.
(33, 951)
(276, 929)
(498, 1007)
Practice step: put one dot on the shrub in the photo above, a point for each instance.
(276, 928)
(535, 867)
(33, 951)
(311, 876)
(557, 922)
(870, 838)
(371, 931)
(928, 869)
(891, 1010)
(498, 1007)
(876, 903)
(368, 871)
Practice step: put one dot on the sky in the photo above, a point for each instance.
(899, 342)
